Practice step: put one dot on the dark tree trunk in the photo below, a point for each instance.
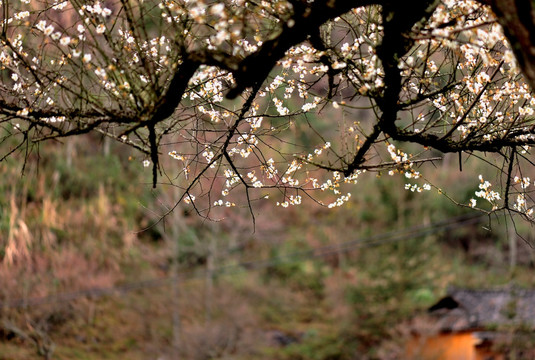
(517, 18)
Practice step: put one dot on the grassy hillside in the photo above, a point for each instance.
(89, 272)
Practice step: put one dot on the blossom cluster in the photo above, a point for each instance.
(485, 192)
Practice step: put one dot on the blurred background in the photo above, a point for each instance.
(91, 270)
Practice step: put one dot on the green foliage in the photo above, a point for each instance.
(294, 272)
(394, 282)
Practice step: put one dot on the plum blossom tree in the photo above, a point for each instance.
(278, 97)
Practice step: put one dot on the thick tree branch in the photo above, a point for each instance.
(306, 20)
(363, 150)
(398, 21)
(173, 95)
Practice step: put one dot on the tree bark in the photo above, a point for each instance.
(517, 17)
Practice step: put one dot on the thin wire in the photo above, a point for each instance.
(318, 252)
